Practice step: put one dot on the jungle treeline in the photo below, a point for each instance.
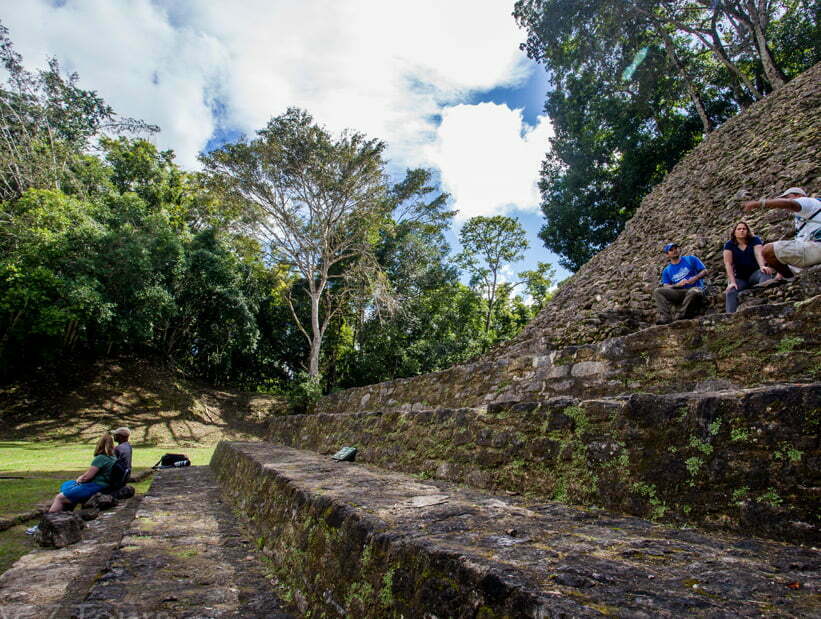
(290, 262)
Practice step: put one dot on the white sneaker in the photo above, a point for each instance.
(32, 530)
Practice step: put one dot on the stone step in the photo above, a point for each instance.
(49, 582)
(746, 459)
(348, 539)
(758, 345)
(183, 556)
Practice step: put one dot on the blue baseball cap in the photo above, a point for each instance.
(670, 246)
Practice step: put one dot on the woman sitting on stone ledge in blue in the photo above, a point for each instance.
(744, 263)
(94, 480)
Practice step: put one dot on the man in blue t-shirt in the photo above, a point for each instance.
(682, 285)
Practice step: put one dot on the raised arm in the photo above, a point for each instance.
(785, 203)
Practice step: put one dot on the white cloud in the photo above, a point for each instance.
(384, 68)
(133, 57)
(489, 159)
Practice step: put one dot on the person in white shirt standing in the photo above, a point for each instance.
(805, 249)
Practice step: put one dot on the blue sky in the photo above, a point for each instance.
(442, 83)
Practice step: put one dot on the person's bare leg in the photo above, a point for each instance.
(58, 503)
(769, 255)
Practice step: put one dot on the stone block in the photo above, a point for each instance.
(101, 502)
(59, 529)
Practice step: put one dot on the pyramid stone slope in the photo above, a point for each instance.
(769, 147)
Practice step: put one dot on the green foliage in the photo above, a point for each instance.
(113, 249)
(304, 391)
(770, 497)
(788, 344)
(488, 245)
(634, 85)
(693, 465)
(701, 446)
(739, 435)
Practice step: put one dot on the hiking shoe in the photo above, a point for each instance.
(32, 530)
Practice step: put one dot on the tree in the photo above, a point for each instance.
(539, 283)
(488, 245)
(46, 122)
(318, 201)
(635, 84)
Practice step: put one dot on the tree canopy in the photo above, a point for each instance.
(636, 84)
(108, 247)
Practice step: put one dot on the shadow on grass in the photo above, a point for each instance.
(158, 406)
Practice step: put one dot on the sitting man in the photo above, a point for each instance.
(681, 285)
(123, 449)
(805, 249)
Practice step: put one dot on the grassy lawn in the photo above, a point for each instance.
(44, 466)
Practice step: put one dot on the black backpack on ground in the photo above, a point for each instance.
(169, 460)
(118, 476)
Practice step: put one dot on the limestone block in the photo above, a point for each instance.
(101, 501)
(589, 368)
(59, 529)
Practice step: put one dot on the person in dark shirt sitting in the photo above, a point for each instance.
(123, 449)
(744, 263)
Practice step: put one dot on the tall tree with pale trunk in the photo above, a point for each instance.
(318, 201)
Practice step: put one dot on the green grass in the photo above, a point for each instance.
(33, 459)
(44, 466)
(14, 543)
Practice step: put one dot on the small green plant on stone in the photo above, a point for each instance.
(577, 414)
(365, 558)
(788, 344)
(693, 465)
(788, 452)
(770, 498)
(702, 446)
(740, 493)
(794, 454)
(715, 427)
(359, 592)
(560, 491)
(386, 592)
(738, 435)
(649, 491)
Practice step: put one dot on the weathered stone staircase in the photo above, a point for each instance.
(352, 540)
(623, 477)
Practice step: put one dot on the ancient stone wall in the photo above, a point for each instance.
(758, 345)
(735, 459)
(771, 146)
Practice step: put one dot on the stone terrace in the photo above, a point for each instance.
(758, 345)
(349, 540)
(741, 459)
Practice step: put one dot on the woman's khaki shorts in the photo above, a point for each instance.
(798, 253)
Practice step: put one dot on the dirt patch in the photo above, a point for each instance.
(160, 406)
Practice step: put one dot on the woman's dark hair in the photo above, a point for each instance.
(749, 232)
